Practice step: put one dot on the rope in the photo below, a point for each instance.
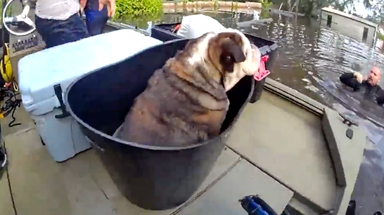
(11, 104)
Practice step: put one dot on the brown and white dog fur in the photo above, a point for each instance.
(185, 102)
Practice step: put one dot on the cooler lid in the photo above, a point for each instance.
(40, 71)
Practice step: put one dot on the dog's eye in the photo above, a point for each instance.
(228, 59)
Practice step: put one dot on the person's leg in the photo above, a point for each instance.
(96, 20)
(58, 32)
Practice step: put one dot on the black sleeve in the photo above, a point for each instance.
(380, 96)
(350, 80)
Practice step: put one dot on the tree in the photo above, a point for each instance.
(310, 6)
(138, 12)
(377, 10)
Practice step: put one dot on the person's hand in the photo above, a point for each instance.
(31, 3)
(111, 6)
(83, 3)
(359, 77)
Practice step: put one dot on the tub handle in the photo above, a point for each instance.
(4, 163)
(59, 92)
(94, 144)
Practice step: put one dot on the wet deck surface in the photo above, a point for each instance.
(317, 179)
(82, 186)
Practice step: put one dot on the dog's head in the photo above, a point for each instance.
(230, 55)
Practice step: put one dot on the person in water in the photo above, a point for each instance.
(368, 84)
(58, 21)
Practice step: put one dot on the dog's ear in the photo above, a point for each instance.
(233, 49)
(231, 53)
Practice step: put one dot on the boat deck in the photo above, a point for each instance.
(278, 149)
(36, 184)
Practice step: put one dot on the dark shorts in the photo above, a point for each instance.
(96, 20)
(58, 32)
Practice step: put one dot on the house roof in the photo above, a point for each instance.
(350, 16)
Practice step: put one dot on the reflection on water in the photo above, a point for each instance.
(311, 59)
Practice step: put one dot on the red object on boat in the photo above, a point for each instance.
(263, 72)
(177, 27)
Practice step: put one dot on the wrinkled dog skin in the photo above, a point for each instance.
(185, 102)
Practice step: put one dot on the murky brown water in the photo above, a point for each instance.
(311, 59)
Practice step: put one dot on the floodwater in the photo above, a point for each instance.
(311, 59)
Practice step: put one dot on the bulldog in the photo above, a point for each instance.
(185, 102)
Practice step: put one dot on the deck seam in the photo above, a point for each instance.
(214, 182)
(17, 133)
(99, 187)
(296, 195)
(9, 184)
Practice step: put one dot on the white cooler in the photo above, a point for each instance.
(50, 70)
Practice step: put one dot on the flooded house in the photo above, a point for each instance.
(356, 27)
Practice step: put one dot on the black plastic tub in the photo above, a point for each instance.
(152, 177)
(164, 32)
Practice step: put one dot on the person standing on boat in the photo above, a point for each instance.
(58, 21)
(369, 83)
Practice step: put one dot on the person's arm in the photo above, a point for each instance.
(350, 80)
(31, 3)
(82, 4)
